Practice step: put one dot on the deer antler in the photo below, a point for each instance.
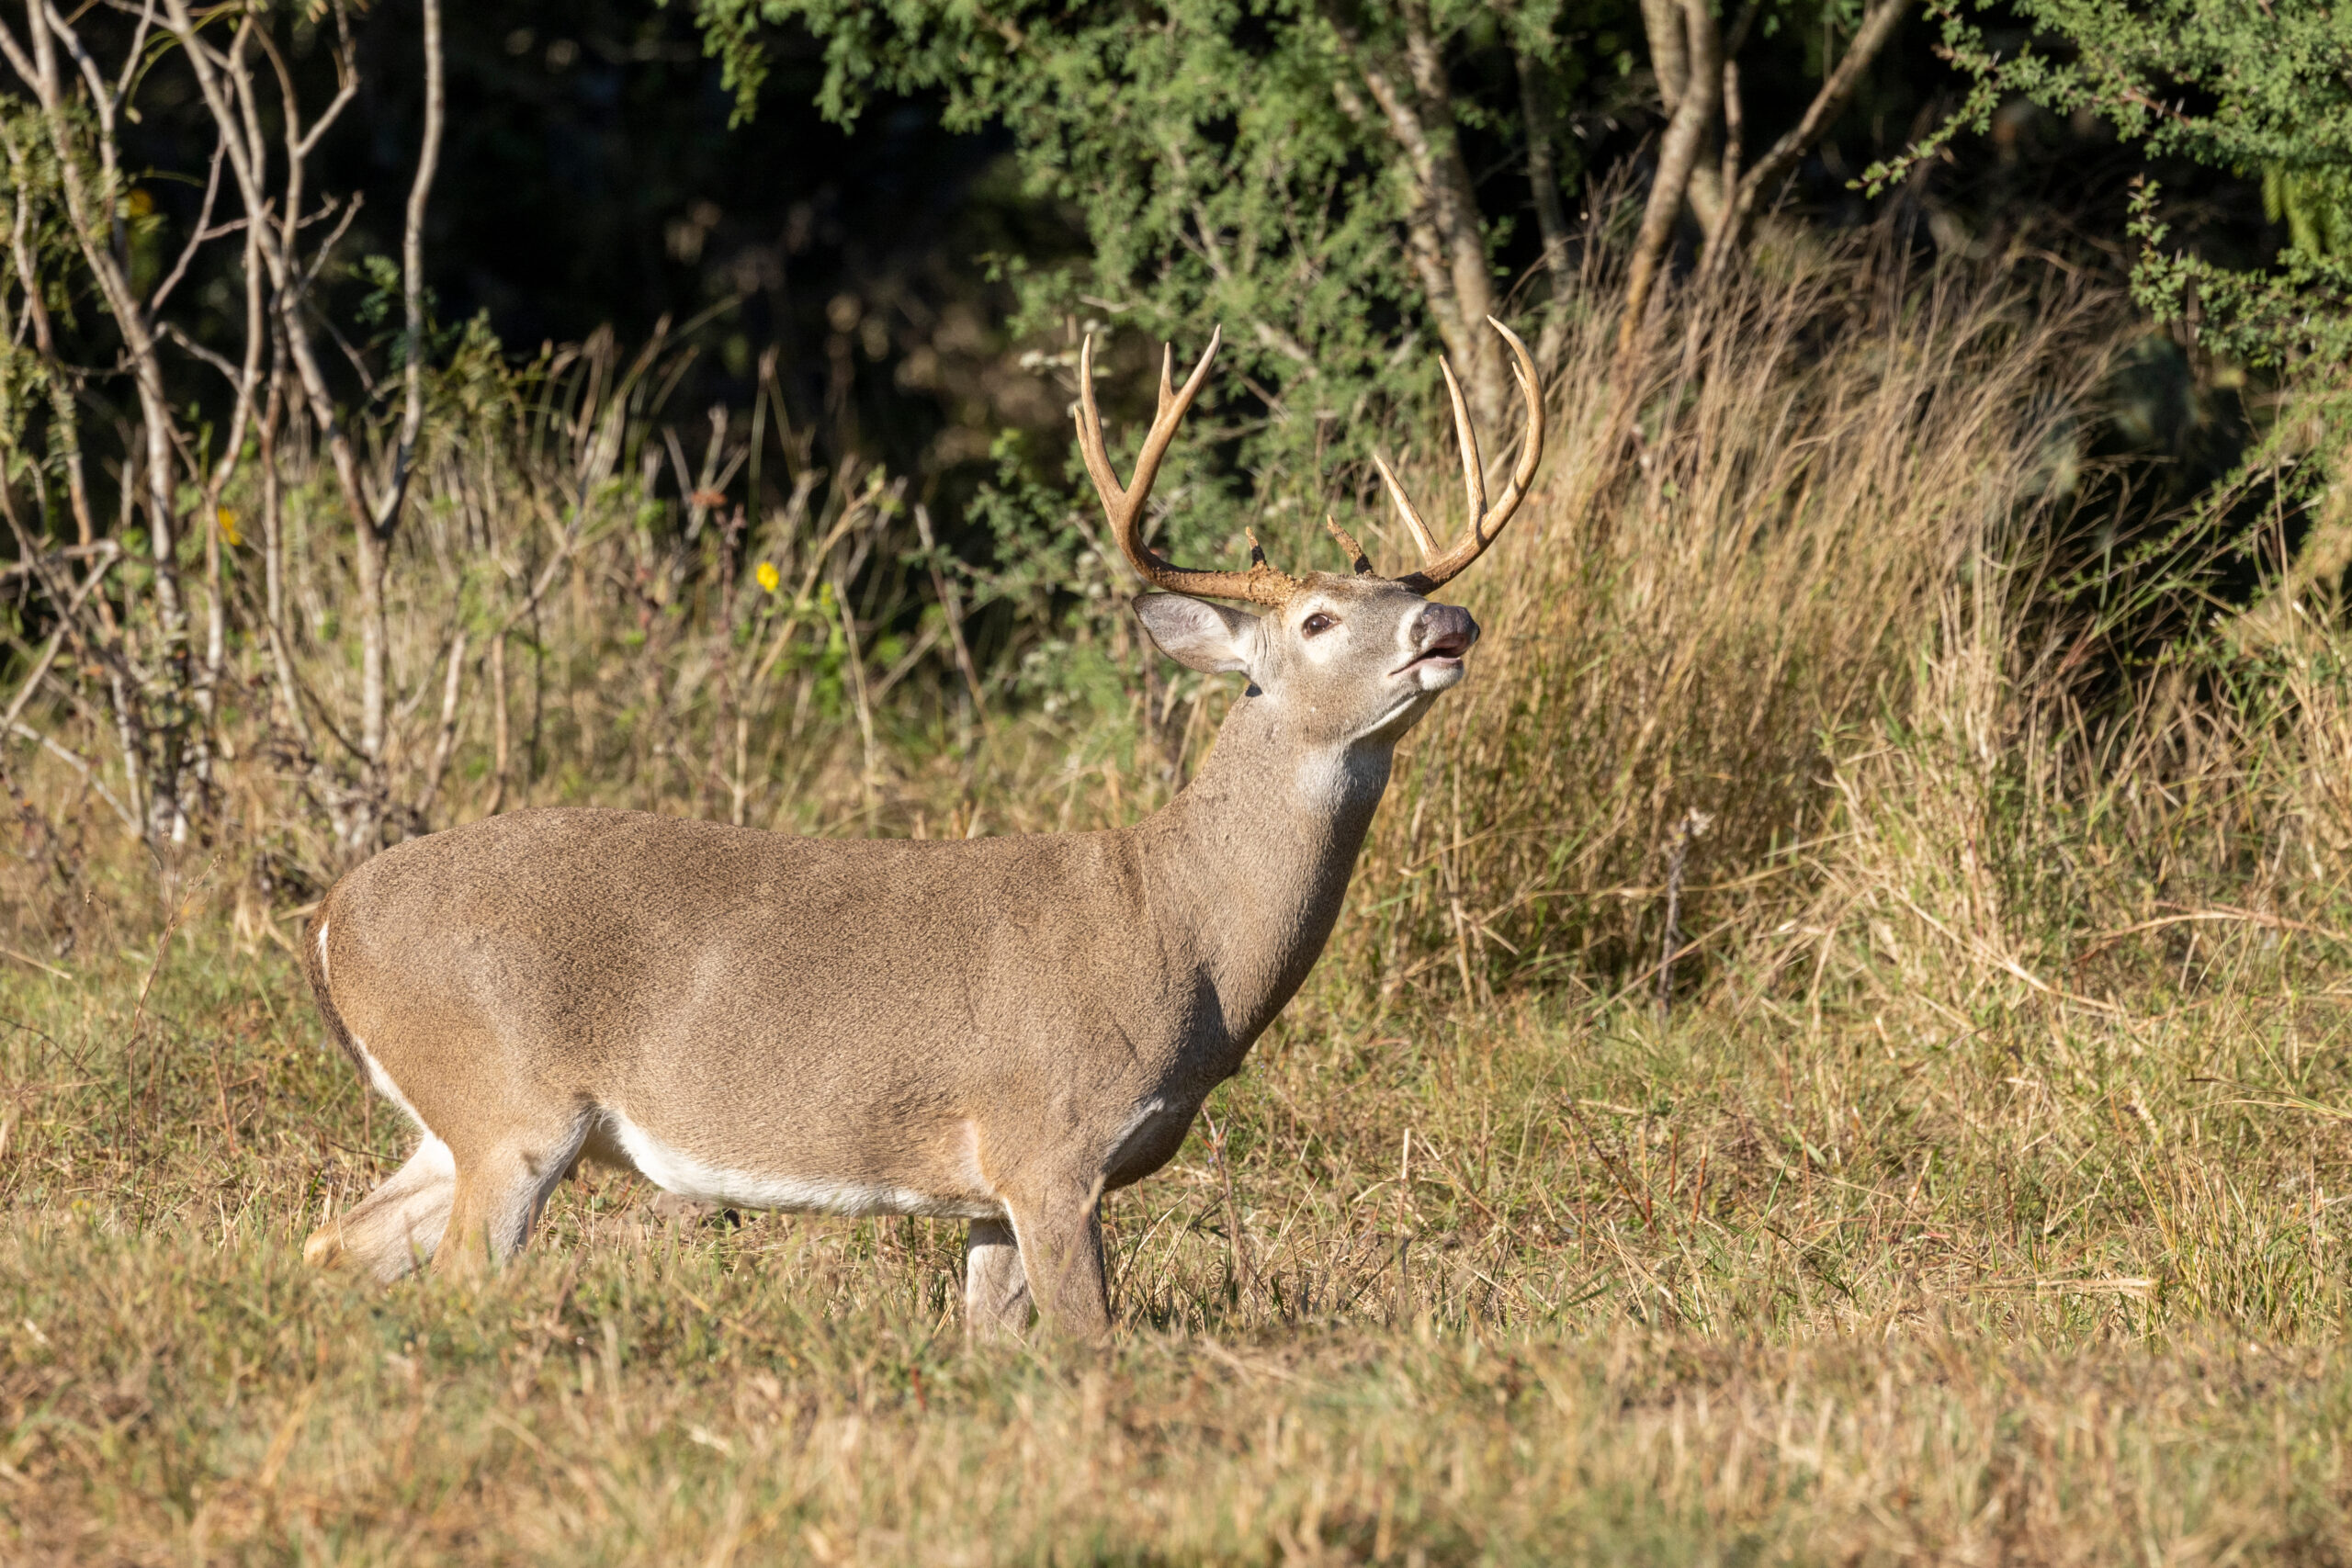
(1485, 522)
(1261, 584)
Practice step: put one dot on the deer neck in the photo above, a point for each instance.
(1251, 861)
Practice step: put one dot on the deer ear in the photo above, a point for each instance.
(1197, 634)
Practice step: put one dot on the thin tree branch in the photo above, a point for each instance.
(200, 234)
(58, 639)
(428, 158)
(445, 739)
(81, 765)
(1878, 27)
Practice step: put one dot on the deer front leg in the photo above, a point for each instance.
(1060, 1238)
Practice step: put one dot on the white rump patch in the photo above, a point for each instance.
(383, 1084)
(674, 1170)
(432, 1161)
(325, 979)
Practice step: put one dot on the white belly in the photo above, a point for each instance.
(674, 1170)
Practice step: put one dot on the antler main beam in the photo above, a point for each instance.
(1124, 504)
(1485, 523)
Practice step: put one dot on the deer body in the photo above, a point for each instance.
(993, 1030)
(841, 1025)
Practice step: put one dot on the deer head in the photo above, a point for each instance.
(1353, 656)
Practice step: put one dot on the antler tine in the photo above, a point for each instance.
(1419, 530)
(1485, 521)
(1474, 466)
(1089, 438)
(1530, 453)
(1124, 504)
(1358, 562)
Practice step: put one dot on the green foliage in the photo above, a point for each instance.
(2261, 91)
(2314, 204)
(33, 392)
(1222, 159)
(2296, 313)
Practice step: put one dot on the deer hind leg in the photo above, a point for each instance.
(396, 1227)
(996, 1289)
(500, 1189)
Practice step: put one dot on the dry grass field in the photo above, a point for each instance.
(1979, 1198)
(1529, 1283)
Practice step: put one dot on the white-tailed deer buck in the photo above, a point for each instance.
(993, 1030)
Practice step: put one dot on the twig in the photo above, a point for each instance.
(2003, 962)
(28, 958)
(89, 773)
(2214, 912)
(428, 160)
(57, 640)
(197, 236)
(163, 946)
(1694, 825)
(951, 605)
(1244, 1277)
(498, 727)
(445, 741)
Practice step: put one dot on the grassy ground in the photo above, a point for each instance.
(1513, 1284)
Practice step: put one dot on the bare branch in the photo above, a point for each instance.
(218, 361)
(197, 238)
(428, 158)
(18, 60)
(132, 56)
(310, 276)
(445, 741)
(66, 612)
(1878, 25)
(81, 765)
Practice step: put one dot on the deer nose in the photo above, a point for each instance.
(1445, 628)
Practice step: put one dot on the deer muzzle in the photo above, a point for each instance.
(1440, 635)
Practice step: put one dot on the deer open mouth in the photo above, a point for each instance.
(1447, 650)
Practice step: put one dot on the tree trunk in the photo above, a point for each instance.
(1551, 213)
(1678, 154)
(1674, 33)
(1444, 231)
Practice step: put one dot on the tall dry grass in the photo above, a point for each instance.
(1829, 454)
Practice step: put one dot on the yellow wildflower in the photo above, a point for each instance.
(227, 517)
(766, 575)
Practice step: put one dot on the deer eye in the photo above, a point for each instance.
(1317, 622)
